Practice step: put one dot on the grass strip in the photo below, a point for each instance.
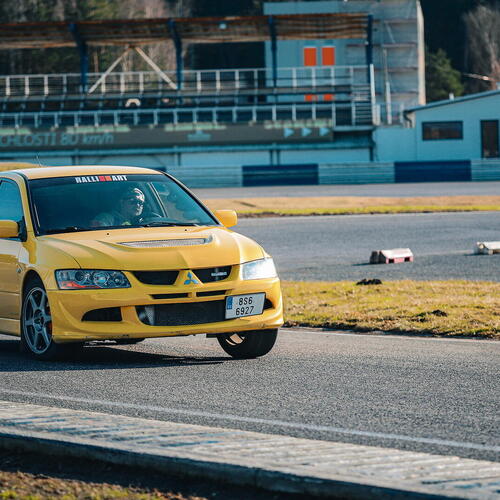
(441, 308)
(347, 205)
(31, 476)
(25, 486)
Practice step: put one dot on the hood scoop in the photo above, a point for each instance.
(175, 242)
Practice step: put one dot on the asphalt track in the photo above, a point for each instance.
(391, 190)
(334, 248)
(435, 395)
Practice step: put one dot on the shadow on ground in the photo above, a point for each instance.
(99, 357)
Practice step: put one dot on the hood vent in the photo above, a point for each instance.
(179, 242)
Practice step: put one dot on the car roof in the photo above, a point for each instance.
(80, 170)
(15, 165)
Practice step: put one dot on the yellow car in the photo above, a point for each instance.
(124, 253)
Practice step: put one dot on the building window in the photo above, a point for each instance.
(311, 60)
(490, 139)
(328, 55)
(440, 131)
(310, 56)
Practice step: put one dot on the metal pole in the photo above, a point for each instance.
(178, 51)
(274, 49)
(369, 45)
(370, 67)
(84, 55)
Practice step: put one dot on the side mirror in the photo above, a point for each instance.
(227, 218)
(9, 229)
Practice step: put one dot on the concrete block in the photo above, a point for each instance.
(394, 256)
(487, 247)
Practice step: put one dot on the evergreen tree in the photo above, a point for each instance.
(441, 78)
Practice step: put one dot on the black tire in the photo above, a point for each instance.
(129, 341)
(36, 326)
(248, 345)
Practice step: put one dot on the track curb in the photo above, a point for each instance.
(241, 458)
(221, 472)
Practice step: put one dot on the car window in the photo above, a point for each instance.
(11, 207)
(85, 203)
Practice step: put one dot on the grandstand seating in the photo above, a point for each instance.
(340, 95)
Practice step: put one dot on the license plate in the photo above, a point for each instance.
(238, 306)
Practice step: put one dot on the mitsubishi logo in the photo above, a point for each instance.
(191, 280)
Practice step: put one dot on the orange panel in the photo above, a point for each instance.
(310, 98)
(328, 56)
(328, 97)
(310, 56)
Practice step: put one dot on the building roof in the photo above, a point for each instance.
(195, 30)
(447, 102)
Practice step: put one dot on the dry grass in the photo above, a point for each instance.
(25, 486)
(449, 308)
(339, 205)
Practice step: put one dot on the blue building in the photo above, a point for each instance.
(456, 139)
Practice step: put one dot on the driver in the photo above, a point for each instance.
(127, 213)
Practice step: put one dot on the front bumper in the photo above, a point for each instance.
(68, 307)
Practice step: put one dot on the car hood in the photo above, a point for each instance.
(139, 249)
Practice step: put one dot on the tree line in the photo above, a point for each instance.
(462, 38)
(463, 46)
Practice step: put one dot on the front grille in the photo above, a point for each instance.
(156, 277)
(211, 293)
(211, 274)
(161, 296)
(107, 314)
(194, 313)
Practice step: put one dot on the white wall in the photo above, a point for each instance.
(222, 158)
(145, 160)
(395, 144)
(322, 156)
(357, 173)
(55, 161)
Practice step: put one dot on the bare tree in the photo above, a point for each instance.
(163, 54)
(483, 44)
(28, 61)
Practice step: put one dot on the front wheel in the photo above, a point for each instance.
(36, 325)
(247, 345)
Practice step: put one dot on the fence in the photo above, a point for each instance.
(193, 82)
(353, 114)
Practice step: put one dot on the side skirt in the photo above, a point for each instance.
(10, 327)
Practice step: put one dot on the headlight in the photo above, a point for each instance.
(258, 269)
(79, 279)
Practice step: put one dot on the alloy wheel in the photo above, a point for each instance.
(235, 338)
(37, 321)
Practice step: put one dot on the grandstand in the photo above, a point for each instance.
(171, 118)
(213, 96)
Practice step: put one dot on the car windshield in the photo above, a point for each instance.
(85, 203)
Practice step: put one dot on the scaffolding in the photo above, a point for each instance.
(398, 47)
